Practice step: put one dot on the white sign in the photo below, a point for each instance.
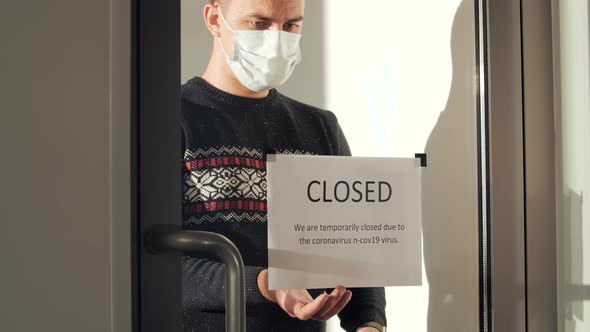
(347, 221)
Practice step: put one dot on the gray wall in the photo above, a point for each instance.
(64, 141)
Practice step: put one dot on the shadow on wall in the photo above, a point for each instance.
(450, 196)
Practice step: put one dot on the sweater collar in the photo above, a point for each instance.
(200, 86)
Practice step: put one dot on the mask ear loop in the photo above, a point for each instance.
(219, 38)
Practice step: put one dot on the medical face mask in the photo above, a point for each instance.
(263, 59)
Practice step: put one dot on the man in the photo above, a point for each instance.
(232, 116)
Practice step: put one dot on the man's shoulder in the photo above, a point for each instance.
(189, 93)
(307, 108)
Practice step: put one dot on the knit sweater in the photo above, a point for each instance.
(225, 140)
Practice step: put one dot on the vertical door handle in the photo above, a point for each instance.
(161, 239)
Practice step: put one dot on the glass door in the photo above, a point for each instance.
(400, 77)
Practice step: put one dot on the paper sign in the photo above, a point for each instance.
(347, 221)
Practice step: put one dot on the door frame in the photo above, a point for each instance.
(522, 166)
(156, 162)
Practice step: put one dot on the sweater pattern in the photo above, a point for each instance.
(226, 184)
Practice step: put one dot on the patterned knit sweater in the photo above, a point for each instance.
(225, 141)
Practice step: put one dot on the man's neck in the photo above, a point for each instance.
(220, 76)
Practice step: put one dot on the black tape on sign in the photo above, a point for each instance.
(423, 159)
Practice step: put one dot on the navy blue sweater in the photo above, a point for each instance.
(224, 191)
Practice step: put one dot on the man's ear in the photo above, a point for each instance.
(211, 17)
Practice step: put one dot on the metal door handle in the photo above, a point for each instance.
(163, 239)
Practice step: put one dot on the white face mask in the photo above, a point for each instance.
(263, 59)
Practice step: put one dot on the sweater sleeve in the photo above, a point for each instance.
(203, 283)
(366, 304)
(342, 143)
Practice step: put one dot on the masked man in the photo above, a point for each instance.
(231, 116)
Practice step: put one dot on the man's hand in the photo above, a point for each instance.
(299, 303)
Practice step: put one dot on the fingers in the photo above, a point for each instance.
(336, 308)
(333, 299)
(306, 311)
(298, 303)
